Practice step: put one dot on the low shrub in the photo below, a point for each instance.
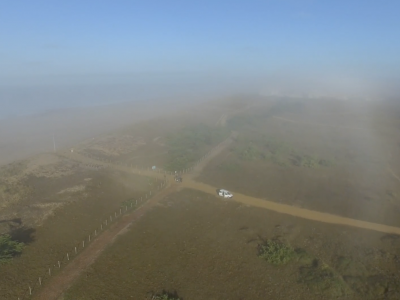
(276, 252)
(9, 248)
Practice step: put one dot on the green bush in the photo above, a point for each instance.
(305, 161)
(190, 143)
(9, 248)
(326, 163)
(322, 279)
(249, 153)
(276, 252)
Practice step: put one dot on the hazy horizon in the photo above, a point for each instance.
(73, 54)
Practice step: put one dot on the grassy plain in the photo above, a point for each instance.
(200, 247)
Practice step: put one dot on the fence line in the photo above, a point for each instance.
(78, 248)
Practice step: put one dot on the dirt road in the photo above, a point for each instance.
(295, 211)
(58, 284)
(189, 182)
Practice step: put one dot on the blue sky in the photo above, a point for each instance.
(44, 40)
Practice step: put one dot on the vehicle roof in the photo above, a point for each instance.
(222, 190)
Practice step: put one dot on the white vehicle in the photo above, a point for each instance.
(225, 193)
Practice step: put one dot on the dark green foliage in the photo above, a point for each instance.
(322, 279)
(276, 252)
(303, 257)
(9, 248)
(308, 161)
(189, 144)
(249, 153)
(275, 146)
(305, 161)
(325, 163)
(166, 296)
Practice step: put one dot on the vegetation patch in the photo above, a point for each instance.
(322, 279)
(189, 144)
(9, 248)
(230, 167)
(276, 252)
(349, 267)
(277, 152)
(166, 296)
(306, 161)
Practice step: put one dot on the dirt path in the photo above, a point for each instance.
(295, 211)
(55, 288)
(189, 182)
(60, 283)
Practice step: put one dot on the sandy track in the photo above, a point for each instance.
(189, 182)
(295, 211)
(61, 282)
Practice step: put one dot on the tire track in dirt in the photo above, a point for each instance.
(189, 182)
(295, 211)
(58, 284)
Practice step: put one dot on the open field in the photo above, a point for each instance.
(51, 202)
(316, 157)
(66, 227)
(205, 248)
(329, 157)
